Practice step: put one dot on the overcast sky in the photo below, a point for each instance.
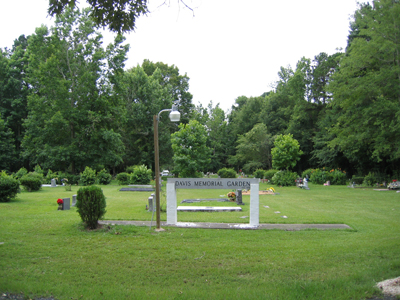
(228, 48)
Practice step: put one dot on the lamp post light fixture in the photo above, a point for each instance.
(174, 116)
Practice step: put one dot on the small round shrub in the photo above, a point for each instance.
(91, 205)
(9, 187)
(226, 173)
(32, 181)
(123, 178)
(103, 177)
(88, 176)
(285, 178)
(141, 175)
(259, 173)
(270, 173)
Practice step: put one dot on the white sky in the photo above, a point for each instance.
(228, 48)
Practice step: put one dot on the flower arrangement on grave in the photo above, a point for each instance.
(271, 189)
(232, 196)
(60, 203)
(394, 185)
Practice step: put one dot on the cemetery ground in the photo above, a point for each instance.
(48, 253)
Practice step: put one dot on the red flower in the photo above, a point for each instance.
(394, 180)
(60, 201)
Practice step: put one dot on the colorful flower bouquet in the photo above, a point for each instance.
(60, 203)
(232, 196)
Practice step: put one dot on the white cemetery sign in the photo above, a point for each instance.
(211, 183)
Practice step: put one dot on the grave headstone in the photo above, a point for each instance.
(151, 204)
(53, 182)
(305, 184)
(73, 200)
(239, 197)
(66, 203)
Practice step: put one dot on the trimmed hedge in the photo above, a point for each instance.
(285, 178)
(32, 181)
(9, 187)
(226, 173)
(91, 205)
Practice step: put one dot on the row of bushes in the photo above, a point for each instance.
(135, 175)
(317, 176)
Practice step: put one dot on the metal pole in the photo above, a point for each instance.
(157, 172)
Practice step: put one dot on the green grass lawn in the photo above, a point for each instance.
(48, 252)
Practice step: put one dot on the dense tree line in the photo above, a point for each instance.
(67, 103)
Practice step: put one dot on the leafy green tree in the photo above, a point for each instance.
(118, 15)
(7, 148)
(191, 154)
(176, 84)
(253, 150)
(286, 152)
(143, 97)
(366, 89)
(73, 113)
(13, 95)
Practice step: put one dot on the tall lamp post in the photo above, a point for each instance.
(174, 116)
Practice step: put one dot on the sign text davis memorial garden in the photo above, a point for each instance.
(251, 184)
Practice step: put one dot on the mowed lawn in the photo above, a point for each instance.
(46, 252)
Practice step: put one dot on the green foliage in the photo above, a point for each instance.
(38, 169)
(270, 173)
(88, 176)
(123, 178)
(319, 176)
(141, 175)
(191, 154)
(103, 177)
(130, 169)
(253, 149)
(306, 173)
(49, 176)
(9, 187)
(337, 177)
(91, 205)
(366, 89)
(259, 173)
(73, 117)
(7, 147)
(32, 181)
(226, 173)
(118, 15)
(285, 178)
(286, 152)
(370, 179)
(21, 172)
(357, 179)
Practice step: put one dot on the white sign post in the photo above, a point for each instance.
(210, 183)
